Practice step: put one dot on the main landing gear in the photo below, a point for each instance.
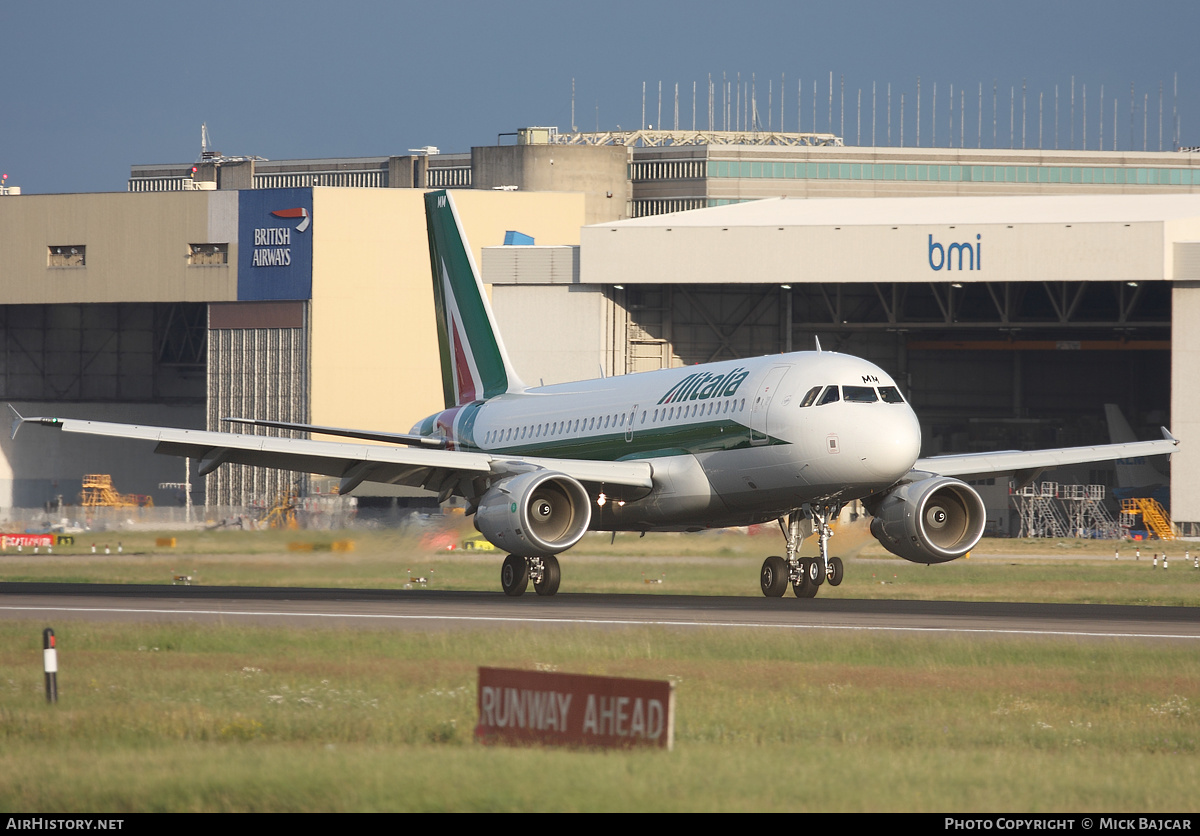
(516, 573)
(805, 574)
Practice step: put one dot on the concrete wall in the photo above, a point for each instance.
(574, 342)
(374, 342)
(598, 172)
(137, 247)
(1185, 402)
(900, 253)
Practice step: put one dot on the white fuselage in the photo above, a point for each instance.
(730, 443)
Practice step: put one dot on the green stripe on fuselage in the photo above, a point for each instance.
(703, 437)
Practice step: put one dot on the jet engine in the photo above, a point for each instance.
(932, 520)
(534, 514)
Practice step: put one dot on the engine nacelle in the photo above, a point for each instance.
(933, 520)
(534, 514)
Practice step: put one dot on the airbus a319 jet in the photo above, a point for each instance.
(788, 437)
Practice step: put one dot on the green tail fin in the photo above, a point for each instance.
(475, 365)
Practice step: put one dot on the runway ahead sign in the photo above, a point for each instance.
(574, 710)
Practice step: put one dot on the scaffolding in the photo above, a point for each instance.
(1154, 517)
(1053, 510)
(1087, 514)
(1039, 512)
(98, 492)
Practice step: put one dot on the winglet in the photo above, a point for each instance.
(1167, 435)
(17, 420)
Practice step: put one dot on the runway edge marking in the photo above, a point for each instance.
(604, 622)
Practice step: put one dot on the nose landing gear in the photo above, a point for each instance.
(806, 574)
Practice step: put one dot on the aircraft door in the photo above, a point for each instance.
(629, 426)
(762, 404)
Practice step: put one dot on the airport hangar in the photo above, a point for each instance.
(1020, 347)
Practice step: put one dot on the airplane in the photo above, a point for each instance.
(789, 438)
(1136, 477)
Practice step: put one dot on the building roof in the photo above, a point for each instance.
(907, 211)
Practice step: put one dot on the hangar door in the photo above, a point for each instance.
(680, 325)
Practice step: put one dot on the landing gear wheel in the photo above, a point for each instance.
(836, 571)
(551, 577)
(805, 588)
(774, 577)
(816, 571)
(514, 576)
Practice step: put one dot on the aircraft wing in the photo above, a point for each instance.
(1028, 464)
(435, 470)
(368, 435)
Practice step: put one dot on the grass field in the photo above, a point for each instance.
(727, 563)
(175, 717)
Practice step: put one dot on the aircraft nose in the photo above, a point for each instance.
(895, 445)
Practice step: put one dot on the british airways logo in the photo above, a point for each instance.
(295, 213)
(703, 385)
(943, 257)
(272, 244)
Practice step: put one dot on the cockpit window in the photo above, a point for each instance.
(811, 396)
(830, 396)
(890, 394)
(860, 394)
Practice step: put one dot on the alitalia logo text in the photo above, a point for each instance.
(703, 385)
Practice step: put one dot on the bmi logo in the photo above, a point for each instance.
(943, 257)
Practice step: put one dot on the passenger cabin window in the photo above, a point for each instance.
(890, 394)
(830, 396)
(860, 394)
(811, 397)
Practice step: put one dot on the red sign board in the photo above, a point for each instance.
(574, 710)
(15, 540)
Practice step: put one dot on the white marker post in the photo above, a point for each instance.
(50, 663)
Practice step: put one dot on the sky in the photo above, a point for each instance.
(88, 89)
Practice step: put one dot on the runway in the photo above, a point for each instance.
(438, 610)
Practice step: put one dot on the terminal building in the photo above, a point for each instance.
(1014, 293)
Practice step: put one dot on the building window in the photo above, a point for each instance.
(66, 256)
(208, 255)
